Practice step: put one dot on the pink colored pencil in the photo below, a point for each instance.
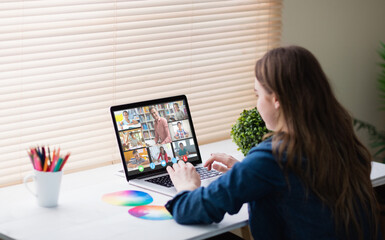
(37, 163)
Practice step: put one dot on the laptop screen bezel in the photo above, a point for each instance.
(133, 174)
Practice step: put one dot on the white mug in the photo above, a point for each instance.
(47, 187)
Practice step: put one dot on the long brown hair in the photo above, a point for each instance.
(320, 130)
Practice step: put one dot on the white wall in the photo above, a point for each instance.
(344, 35)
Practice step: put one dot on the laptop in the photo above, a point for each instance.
(154, 134)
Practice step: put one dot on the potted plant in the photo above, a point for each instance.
(377, 138)
(248, 130)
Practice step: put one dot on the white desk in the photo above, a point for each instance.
(378, 174)
(82, 214)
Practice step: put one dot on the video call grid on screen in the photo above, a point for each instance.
(138, 132)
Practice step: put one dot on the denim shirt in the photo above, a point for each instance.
(276, 210)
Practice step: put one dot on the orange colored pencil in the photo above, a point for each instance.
(52, 161)
(45, 164)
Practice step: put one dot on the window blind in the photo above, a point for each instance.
(64, 63)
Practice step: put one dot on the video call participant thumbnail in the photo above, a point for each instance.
(136, 160)
(159, 153)
(126, 122)
(180, 132)
(162, 133)
(182, 153)
(162, 154)
(179, 115)
(135, 139)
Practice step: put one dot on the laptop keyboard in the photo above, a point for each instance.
(166, 181)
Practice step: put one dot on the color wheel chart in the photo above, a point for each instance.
(150, 212)
(128, 198)
(139, 201)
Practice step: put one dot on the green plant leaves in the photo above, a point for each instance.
(381, 77)
(377, 139)
(249, 130)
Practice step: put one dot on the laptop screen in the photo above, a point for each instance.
(154, 134)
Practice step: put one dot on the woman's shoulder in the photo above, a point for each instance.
(261, 162)
(265, 146)
(264, 151)
(261, 152)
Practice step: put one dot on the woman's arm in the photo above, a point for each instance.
(247, 181)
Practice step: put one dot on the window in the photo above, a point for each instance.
(64, 63)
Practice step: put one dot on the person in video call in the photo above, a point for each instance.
(126, 142)
(162, 133)
(179, 115)
(162, 154)
(136, 160)
(182, 151)
(309, 178)
(180, 132)
(135, 142)
(126, 121)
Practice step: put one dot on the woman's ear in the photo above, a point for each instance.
(276, 102)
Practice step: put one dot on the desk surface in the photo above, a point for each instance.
(378, 174)
(82, 214)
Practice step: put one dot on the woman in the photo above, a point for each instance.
(162, 154)
(309, 180)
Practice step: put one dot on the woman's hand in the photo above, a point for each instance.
(225, 159)
(184, 176)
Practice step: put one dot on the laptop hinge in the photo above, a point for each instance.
(151, 175)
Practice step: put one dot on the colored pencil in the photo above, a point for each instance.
(31, 158)
(37, 163)
(42, 160)
(53, 161)
(64, 161)
(45, 164)
(49, 157)
(43, 156)
(58, 165)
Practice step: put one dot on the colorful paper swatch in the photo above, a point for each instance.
(128, 198)
(150, 212)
